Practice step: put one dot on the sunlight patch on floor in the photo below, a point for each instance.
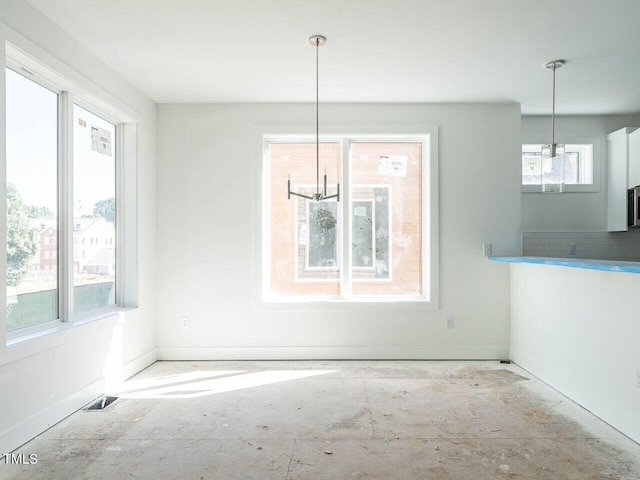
(200, 384)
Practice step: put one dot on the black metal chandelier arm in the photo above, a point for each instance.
(336, 195)
(289, 193)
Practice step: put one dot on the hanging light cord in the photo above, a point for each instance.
(553, 109)
(553, 65)
(318, 120)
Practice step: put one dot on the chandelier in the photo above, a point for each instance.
(319, 195)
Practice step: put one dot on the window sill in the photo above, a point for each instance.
(20, 345)
(567, 189)
(335, 303)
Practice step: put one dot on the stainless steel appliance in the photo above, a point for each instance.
(633, 207)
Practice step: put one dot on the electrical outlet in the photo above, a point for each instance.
(184, 322)
(450, 322)
(487, 249)
(573, 249)
(638, 377)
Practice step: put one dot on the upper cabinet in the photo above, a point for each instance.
(634, 159)
(624, 173)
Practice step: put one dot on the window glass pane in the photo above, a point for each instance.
(94, 210)
(386, 218)
(579, 164)
(32, 202)
(305, 235)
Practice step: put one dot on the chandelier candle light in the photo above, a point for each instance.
(316, 41)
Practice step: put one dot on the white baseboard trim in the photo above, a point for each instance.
(599, 404)
(138, 364)
(334, 353)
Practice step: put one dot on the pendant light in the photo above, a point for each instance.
(553, 152)
(316, 41)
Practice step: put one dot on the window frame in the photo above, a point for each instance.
(83, 93)
(596, 144)
(429, 299)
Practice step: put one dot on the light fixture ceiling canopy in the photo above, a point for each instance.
(553, 64)
(317, 40)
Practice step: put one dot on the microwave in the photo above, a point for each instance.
(633, 207)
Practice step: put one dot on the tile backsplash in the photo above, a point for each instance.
(596, 245)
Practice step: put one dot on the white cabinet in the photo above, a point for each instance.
(634, 159)
(619, 177)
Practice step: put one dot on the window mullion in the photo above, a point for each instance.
(65, 207)
(345, 200)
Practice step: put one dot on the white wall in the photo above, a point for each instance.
(571, 211)
(578, 331)
(44, 379)
(209, 246)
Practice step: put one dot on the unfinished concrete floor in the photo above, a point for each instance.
(332, 420)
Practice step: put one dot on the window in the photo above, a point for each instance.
(574, 170)
(32, 199)
(372, 244)
(61, 156)
(94, 192)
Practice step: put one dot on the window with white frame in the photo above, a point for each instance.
(94, 195)
(32, 200)
(574, 169)
(373, 243)
(61, 162)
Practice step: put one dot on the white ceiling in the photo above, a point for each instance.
(377, 50)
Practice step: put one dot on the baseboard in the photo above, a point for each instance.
(138, 364)
(334, 353)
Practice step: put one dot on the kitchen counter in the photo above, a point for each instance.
(609, 265)
(577, 329)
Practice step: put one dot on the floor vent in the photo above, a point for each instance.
(102, 403)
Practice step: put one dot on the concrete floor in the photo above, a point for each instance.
(332, 420)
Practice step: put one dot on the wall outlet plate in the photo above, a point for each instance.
(487, 249)
(184, 322)
(450, 322)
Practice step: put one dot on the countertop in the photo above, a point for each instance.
(610, 265)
